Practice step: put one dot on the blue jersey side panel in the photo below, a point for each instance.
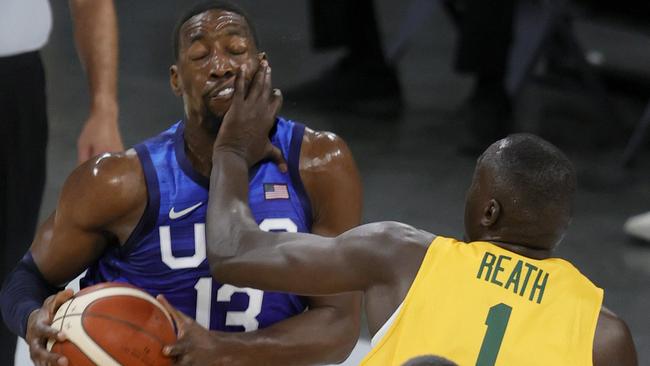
(166, 253)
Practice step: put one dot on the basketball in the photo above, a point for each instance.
(113, 324)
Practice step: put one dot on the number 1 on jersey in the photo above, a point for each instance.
(497, 321)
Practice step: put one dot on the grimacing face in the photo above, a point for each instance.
(213, 46)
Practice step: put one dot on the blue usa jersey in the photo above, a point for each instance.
(166, 253)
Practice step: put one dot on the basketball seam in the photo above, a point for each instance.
(131, 325)
(147, 297)
(117, 320)
(62, 317)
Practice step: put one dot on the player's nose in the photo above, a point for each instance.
(221, 67)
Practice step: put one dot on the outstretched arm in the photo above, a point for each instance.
(241, 254)
(95, 27)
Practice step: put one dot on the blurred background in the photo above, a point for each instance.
(416, 114)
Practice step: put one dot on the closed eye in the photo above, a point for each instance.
(238, 45)
(197, 51)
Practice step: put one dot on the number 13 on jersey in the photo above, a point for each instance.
(246, 318)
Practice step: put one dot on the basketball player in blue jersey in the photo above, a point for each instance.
(139, 216)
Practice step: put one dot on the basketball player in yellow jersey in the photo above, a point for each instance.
(499, 299)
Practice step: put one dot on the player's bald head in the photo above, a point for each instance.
(204, 6)
(532, 169)
(429, 360)
(534, 184)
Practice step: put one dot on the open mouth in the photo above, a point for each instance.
(223, 93)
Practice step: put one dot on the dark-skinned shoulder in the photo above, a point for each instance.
(613, 344)
(106, 192)
(331, 179)
(100, 204)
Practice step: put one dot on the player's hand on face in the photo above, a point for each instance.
(194, 345)
(246, 125)
(39, 331)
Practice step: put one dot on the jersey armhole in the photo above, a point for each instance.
(150, 214)
(394, 319)
(293, 160)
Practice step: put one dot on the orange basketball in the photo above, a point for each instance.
(113, 324)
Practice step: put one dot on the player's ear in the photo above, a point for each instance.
(174, 80)
(491, 213)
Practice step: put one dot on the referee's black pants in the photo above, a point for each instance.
(348, 24)
(23, 125)
(485, 33)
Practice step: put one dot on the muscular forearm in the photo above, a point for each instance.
(96, 39)
(318, 336)
(228, 212)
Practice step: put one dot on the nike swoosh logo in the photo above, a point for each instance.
(175, 215)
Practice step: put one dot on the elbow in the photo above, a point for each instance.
(215, 250)
(227, 270)
(220, 240)
(216, 274)
(218, 263)
(216, 258)
(221, 251)
(223, 233)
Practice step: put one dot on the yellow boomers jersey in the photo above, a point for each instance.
(478, 304)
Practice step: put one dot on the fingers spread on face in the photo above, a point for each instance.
(266, 90)
(240, 85)
(257, 85)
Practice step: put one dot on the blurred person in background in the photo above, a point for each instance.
(365, 80)
(638, 227)
(25, 26)
(485, 37)
(362, 79)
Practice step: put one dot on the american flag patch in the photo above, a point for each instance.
(274, 191)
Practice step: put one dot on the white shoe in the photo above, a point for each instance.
(638, 226)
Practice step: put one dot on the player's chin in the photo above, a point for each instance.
(219, 106)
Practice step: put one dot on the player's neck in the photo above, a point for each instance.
(523, 250)
(198, 147)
